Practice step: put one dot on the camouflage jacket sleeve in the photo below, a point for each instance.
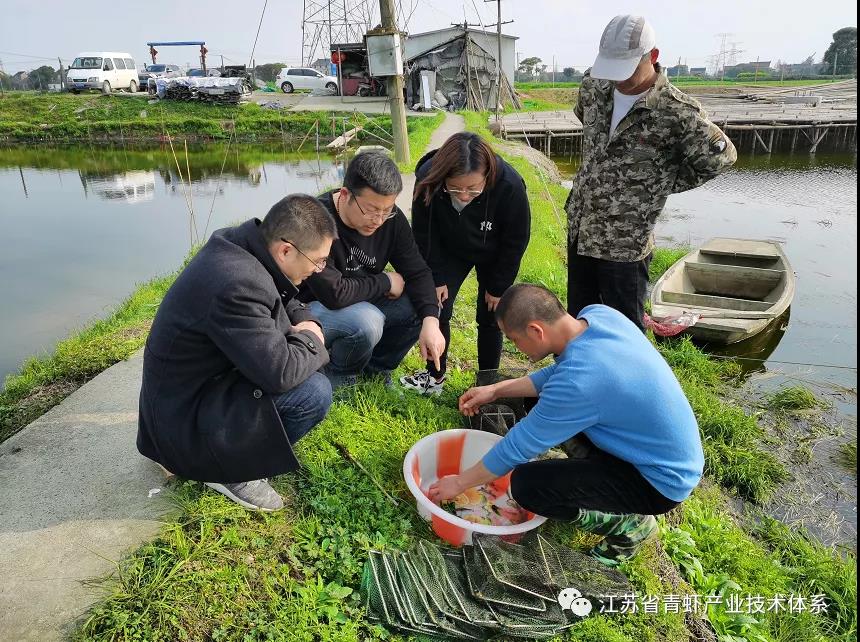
(577, 107)
(704, 151)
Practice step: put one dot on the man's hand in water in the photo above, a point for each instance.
(452, 485)
(446, 488)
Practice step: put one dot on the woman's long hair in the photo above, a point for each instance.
(462, 153)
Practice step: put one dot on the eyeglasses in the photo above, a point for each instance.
(319, 265)
(464, 192)
(384, 215)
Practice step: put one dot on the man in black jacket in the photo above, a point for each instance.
(230, 377)
(372, 318)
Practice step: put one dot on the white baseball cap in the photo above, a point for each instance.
(625, 40)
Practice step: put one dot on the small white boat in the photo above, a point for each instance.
(737, 287)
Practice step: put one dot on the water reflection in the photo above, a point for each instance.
(752, 354)
(132, 187)
(134, 175)
(118, 218)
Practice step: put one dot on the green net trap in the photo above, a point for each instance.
(491, 588)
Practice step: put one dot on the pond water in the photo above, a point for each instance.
(82, 227)
(809, 205)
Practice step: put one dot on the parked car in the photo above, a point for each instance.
(156, 71)
(104, 70)
(292, 78)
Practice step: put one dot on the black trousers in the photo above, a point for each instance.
(489, 335)
(622, 286)
(592, 480)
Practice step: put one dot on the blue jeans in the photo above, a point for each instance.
(304, 406)
(367, 338)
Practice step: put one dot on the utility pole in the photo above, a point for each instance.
(835, 58)
(498, 25)
(395, 89)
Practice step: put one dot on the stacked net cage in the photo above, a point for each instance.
(501, 416)
(491, 588)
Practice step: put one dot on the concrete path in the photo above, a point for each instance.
(76, 496)
(452, 124)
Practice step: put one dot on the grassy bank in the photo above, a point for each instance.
(544, 96)
(94, 118)
(692, 80)
(219, 572)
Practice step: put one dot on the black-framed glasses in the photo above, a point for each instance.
(319, 265)
(385, 215)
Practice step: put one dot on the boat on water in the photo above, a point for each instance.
(737, 288)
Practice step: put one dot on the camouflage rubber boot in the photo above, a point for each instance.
(624, 533)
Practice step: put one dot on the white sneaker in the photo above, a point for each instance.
(421, 382)
(254, 495)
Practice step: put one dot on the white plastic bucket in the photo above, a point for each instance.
(450, 452)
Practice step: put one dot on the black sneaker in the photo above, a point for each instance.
(423, 383)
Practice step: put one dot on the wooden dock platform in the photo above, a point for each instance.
(755, 118)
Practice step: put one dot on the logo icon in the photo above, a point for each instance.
(571, 598)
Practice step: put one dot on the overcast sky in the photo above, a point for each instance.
(789, 30)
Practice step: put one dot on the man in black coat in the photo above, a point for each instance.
(230, 377)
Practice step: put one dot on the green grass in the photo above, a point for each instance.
(731, 438)
(539, 104)
(420, 130)
(716, 551)
(689, 80)
(794, 398)
(663, 259)
(847, 456)
(65, 118)
(222, 573)
(218, 572)
(525, 86)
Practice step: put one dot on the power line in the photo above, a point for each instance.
(17, 55)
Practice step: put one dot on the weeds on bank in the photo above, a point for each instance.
(61, 118)
(222, 573)
(663, 259)
(731, 438)
(420, 130)
(794, 398)
(717, 556)
(847, 456)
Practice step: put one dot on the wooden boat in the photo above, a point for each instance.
(738, 286)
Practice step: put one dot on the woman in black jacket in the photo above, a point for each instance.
(469, 209)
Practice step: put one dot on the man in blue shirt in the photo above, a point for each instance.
(609, 385)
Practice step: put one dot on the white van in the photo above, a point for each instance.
(104, 70)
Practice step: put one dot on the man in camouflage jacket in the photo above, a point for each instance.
(631, 163)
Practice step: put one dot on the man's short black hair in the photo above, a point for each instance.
(300, 219)
(373, 170)
(523, 303)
